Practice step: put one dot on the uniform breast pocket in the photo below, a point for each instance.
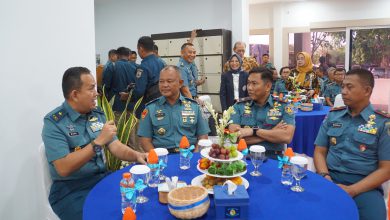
(272, 120)
(361, 138)
(335, 135)
(160, 127)
(188, 122)
(248, 121)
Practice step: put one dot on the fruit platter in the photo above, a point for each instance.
(210, 181)
(222, 154)
(222, 169)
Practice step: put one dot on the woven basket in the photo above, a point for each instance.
(188, 202)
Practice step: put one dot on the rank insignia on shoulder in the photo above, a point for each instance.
(57, 116)
(338, 108)
(144, 113)
(383, 113)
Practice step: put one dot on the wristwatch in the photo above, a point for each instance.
(96, 148)
(254, 129)
(323, 174)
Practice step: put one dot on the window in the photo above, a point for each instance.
(328, 45)
(370, 49)
(258, 45)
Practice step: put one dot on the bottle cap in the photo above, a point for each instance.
(126, 175)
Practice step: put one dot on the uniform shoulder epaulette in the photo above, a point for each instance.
(338, 108)
(244, 99)
(57, 114)
(192, 100)
(154, 100)
(382, 113)
(98, 109)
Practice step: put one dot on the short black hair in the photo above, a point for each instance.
(340, 69)
(364, 75)
(266, 74)
(185, 45)
(112, 51)
(133, 52)
(123, 51)
(71, 80)
(146, 42)
(266, 54)
(155, 48)
(281, 69)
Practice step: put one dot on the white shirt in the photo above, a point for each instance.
(236, 79)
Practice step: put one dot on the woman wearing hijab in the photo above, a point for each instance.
(233, 83)
(304, 75)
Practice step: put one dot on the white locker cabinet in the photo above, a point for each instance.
(162, 47)
(174, 46)
(212, 84)
(209, 64)
(212, 45)
(171, 60)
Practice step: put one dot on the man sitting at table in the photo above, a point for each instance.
(262, 119)
(74, 135)
(166, 119)
(352, 146)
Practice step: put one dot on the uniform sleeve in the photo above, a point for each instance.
(277, 87)
(184, 76)
(56, 144)
(236, 116)
(141, 81)
(107, 76)
(384, 140)
(145, 125)
(322, 137)
(289, 115)
(202, 127)
(327, 92)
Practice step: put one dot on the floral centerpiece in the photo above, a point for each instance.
(221, 125)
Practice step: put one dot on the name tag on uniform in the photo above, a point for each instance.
(337, 125)
(73, 133)
(96, 126)
(187, 113)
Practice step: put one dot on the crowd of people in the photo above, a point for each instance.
(352, 147)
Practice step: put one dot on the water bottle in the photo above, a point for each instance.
(286, 178)
(126, 183)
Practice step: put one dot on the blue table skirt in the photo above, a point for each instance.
(307, 125)
(269, 199)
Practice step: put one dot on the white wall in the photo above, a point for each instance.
(302, 13)
(122, 22)
(39, 40)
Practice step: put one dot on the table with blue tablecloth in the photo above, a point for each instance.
(269, 199)
(307, 125)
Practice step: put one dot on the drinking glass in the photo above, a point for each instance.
(257, 155)
(298, 169)
(141, 172)
(203, 144)
(162, 154)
